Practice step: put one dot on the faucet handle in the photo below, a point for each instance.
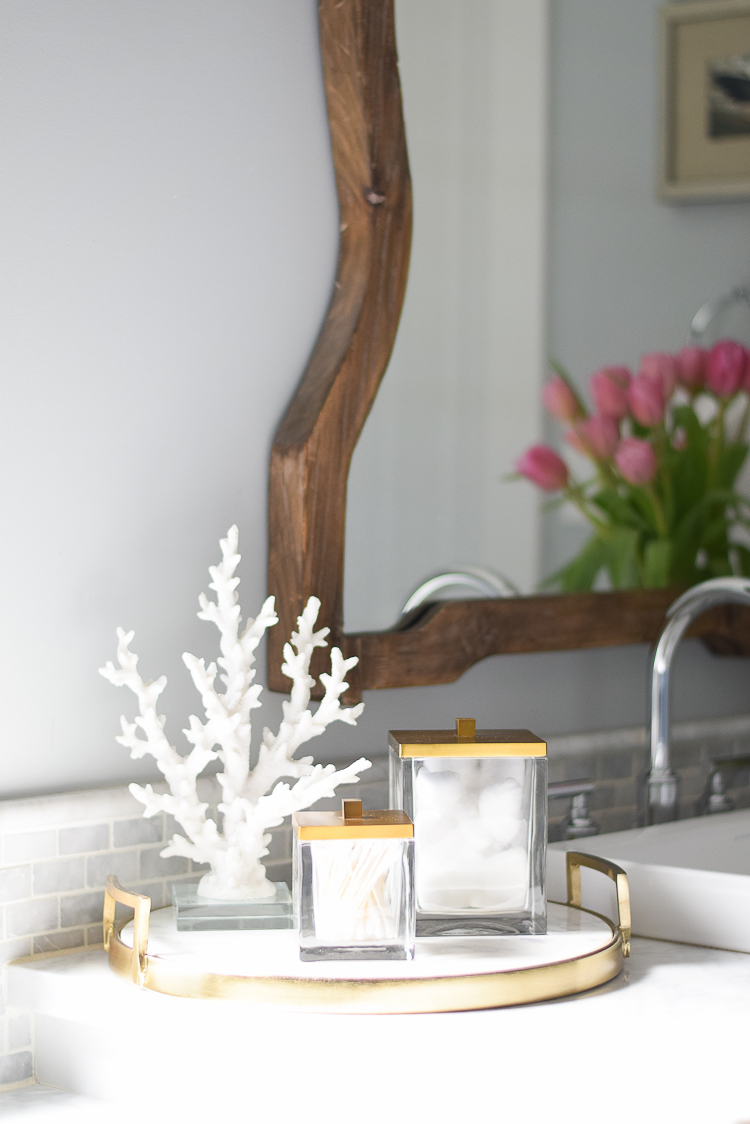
(717, 799)
(579, 823)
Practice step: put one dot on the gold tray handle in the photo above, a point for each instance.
(142, 906)
(574, 860)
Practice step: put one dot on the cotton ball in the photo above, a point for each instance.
(497, 770)
(431, 826)
(439, 792)
(504, 829)
(432, 765)
(505, 877)
(503, 799)
(471, 836)
(445, 879)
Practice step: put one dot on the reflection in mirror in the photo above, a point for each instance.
(534, 159)
(460, 397)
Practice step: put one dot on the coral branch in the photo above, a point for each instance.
(253, 800)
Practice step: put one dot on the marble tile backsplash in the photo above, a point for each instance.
(56, 851)
(619, 773)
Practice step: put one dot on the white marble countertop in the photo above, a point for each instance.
(666, 1041)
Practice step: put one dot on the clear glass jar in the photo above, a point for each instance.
(353, 884)
(478, 801)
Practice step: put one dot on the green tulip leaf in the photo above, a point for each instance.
(657, 559)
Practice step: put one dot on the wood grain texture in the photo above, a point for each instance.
(453, 635)
(315, 442)
(313, 447)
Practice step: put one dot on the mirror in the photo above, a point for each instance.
(460, 398)
(623, 274)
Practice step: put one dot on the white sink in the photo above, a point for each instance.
(689, 881)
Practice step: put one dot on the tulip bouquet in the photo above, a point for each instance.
(666, 446)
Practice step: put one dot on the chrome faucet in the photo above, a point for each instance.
(661, 781)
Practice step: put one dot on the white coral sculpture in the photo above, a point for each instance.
(252, 801)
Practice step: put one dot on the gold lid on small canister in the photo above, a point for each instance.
(466, 741)
(352, 823)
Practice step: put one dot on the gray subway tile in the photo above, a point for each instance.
(603, 796)
(199, 868)
(29, 845)
(172, 827)
(58, 875)
(614, 765)
(280, 847)
(691, 784)
(737, 778)
(615, 819)
(374, 796)
(159, 893)
(379, 770)
(625, 792)
(279, 872)
(10, 950)
(94, 935)
(16, 1067)
(580, 766)
(19, 1032)
(123, 864)
(685, 756)
(153, 866)
(84, 840)
(15, 883)
(555, 831)
(81, 909)
(127, 833)
(688, 809)
(556, 769)
(55, 942)
(27, 918)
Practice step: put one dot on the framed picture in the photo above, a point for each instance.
(706, 101)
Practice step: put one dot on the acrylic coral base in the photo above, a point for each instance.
(195, 914)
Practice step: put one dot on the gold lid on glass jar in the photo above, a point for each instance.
(466, 741)
(352, 823)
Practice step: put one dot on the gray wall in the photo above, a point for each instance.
(169, 233)
(168, 246)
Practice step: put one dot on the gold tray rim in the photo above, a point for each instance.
(384, 996)
(479, 991)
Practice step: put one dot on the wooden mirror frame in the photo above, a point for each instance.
(315, 442)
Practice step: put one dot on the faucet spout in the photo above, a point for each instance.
(661, 781)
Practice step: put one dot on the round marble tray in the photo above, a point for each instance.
(580, 951)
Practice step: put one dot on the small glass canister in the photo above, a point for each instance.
(353, 884)
(478, 800)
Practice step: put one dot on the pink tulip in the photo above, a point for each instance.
(646, 399)
(725, 368)
(609, 391)
(575, 442)
(543, 467)
(636, 460)
(691, 367)
(662, 367)
(597, 437)
(560, 401)
(746, 379)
